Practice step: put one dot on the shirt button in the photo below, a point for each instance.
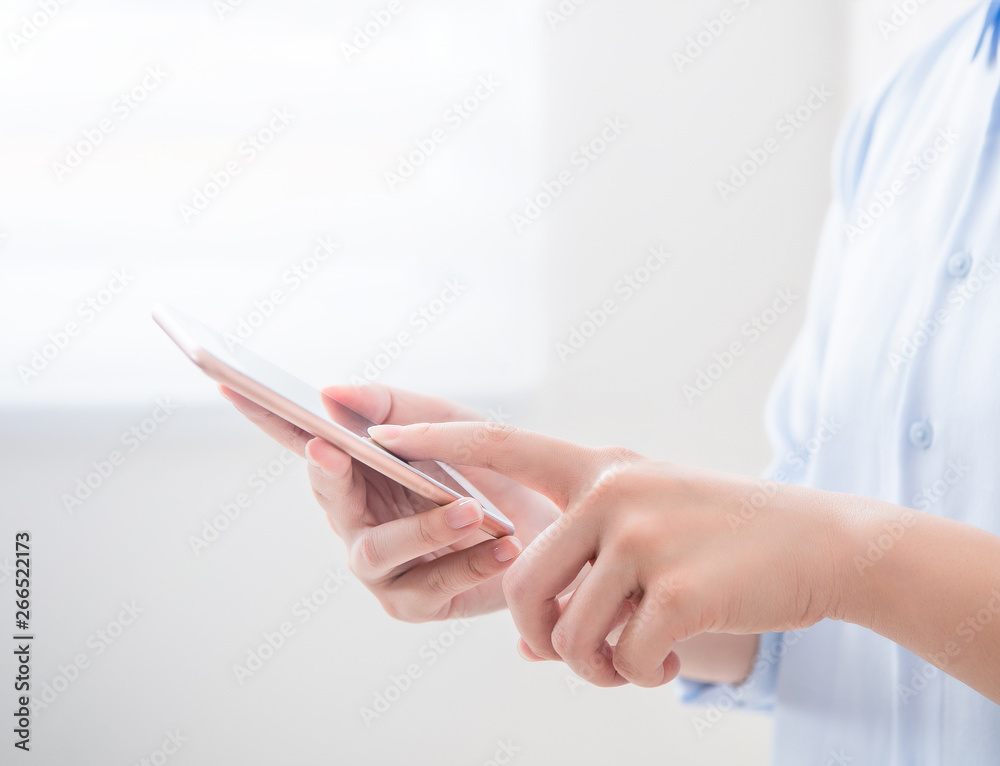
(959, 264)
(921, 434)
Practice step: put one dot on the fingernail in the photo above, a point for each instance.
(525, 652)
(463, 514)
(384, 433)
(506, 549)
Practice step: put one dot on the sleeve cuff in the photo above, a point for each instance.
(756, 692)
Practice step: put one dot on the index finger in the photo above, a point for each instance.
(375, 402)
(385, 404)
(558, 469)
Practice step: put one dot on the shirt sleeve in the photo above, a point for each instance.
(755, 692)
(792, 411)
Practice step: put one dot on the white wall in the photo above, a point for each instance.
(655, 185)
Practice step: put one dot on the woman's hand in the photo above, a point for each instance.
(676, 551)
(421, 561)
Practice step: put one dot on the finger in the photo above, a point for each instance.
(556, 468)
(290, 436)
(628, 609)
(339, 489)
(579, 635)
(644, 653)
(382, 404)
(525, 651)
(436, 589)
(385, 547)
(547, 567)
(522, 646)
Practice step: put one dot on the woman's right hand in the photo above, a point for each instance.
(422, 562)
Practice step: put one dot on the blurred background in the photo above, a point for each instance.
(315, 179)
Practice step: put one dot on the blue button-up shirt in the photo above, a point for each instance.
(892, 391)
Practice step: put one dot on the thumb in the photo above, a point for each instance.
(556, 468)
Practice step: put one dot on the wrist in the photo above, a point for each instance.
(864, 533)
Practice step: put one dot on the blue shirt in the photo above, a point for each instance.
(892, 391)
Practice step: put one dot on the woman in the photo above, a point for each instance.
(856, 587)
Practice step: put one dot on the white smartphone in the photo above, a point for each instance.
(264, 383)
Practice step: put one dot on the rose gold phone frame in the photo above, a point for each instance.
(185, 331)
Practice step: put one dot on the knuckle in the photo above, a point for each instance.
(565, 642)
(615, 458)
(397, 610)
(515, 584)
(425, 535)
(479, 569)
(366, 553)
(627, 667)
(631, 536)
(497, 433)
(616, 478)
(595, 668)
(390, 608)
(666, 593)
(493, 437)
(438, 582)
(320, 496)
(420, 429)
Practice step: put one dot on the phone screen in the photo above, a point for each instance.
(275, 378)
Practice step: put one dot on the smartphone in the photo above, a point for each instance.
(266, 384)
